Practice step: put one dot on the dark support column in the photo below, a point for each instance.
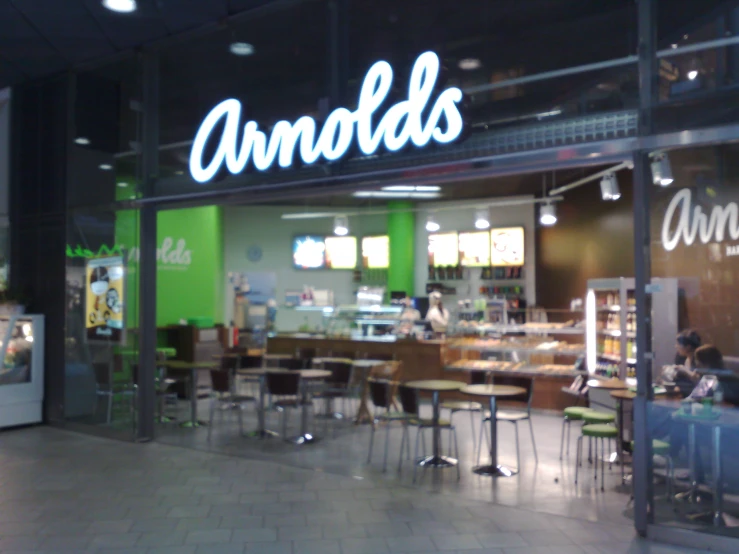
(147, 247)
(642, 464)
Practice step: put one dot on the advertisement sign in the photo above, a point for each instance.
(474, 249)
(105, 299)
(341, 252)
(309, 252)
(376, 252)
(507, 246)
(443, 250)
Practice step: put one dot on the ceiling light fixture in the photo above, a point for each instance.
(482, 219)
(82, 141)
(431, 224)
(609, 189)
(389, 194)
(693, 74)
(548, 214)
(120, 6)
(122, 184)
(341, 225)
(662, 170)
(410, 188)
(241, 48)
(105, 167)
(469, 64)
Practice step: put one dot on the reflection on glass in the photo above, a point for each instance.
(17, 345)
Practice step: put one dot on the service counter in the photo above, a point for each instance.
(424, 360)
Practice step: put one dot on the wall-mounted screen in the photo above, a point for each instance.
(341, 252)
(309, 252)
(507, 246)
(376, 252)
(474, 249)
(443, 250)
(105, 300)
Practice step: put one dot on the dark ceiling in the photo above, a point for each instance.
(43, 37)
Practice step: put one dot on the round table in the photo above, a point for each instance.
(323, 360)
(609, 384)
(435, 386)
(492, 392)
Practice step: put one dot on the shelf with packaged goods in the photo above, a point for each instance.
(616, 358)
(553, 370)
(522, 349)
(616, 309)
(527, 328)
(616, 333)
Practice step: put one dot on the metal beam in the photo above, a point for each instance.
(590, 178)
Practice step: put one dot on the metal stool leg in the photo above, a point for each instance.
(578, 455)
(562, 440)
(387, 445)
(372, 441)
(415, 465)
(456, 451)
(533, 440)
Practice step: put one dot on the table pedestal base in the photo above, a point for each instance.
(306, 438)
(495, 471)
(437, 461)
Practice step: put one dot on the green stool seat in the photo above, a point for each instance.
(660, 448)
(598, 417)
(600, 431)
(575, 412)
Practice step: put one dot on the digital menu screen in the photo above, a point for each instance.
(376, 252)
(443, 250)
(474, 249)
(341, 252)
(105, 300)
(309, 252)
(507, 246)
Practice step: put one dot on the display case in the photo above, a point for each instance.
(22, 371)
(611, 325)
(364, 322)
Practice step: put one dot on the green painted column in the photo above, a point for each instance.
(401, 228)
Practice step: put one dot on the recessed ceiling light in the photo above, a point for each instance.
(469, 64)
(122, 184)
(179, 172)
(120, 6)
(241, 49)
(389, 194)
(105, 167)
(410, 188)
(693, 74)
(83, 141)
(673, 46)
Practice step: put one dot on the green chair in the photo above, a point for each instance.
(593, 417)
(573, 413)
(662, 448)
(596, 432)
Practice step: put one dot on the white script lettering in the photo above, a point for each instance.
(166, 255)
(692, 223)
(402, 123)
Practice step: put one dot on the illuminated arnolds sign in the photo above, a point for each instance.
(409, 121)
(685, 222)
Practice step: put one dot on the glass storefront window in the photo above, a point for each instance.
(694, 418)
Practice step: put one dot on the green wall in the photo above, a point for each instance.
(190, 278)
(401, 229)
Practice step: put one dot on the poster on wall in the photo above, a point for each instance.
(443, 250)
(474, 249)
(309, 252)
(341, 252)
(376, 252)
(105, 299)
(507, 246)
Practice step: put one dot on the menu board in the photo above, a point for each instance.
(104, 299)
(507, 246)
(376, 252)
(474, 249)
(309, 252)
(443, 250)
(341, 252)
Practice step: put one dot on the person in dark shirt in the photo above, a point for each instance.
(688, 341)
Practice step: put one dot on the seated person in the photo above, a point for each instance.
(688, 341)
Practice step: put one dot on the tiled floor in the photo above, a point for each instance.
(63, 492)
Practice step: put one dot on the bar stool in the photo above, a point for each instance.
(573, 413)
(596, 432)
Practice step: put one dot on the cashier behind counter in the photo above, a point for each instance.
(438, 315)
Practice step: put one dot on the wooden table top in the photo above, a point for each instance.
(623, 394)
(610, 384)
(304, 373)
(368, 363)
(493, 390)
(435, 385)
(278, 356)
(180, 364)
(322, 360)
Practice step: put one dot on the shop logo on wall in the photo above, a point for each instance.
(685, 223)
(169, 256)
(414, 120)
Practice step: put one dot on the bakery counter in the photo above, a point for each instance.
(421, 359)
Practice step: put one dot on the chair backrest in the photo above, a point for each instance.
(283, 383)
(341, 373)
(292, 364)
(379, 390)
(478, 377)
(388, 370)
(526, 383)
(408, 399)
(229, 363)
(305, 354)
(220, 380)
(250, 362)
